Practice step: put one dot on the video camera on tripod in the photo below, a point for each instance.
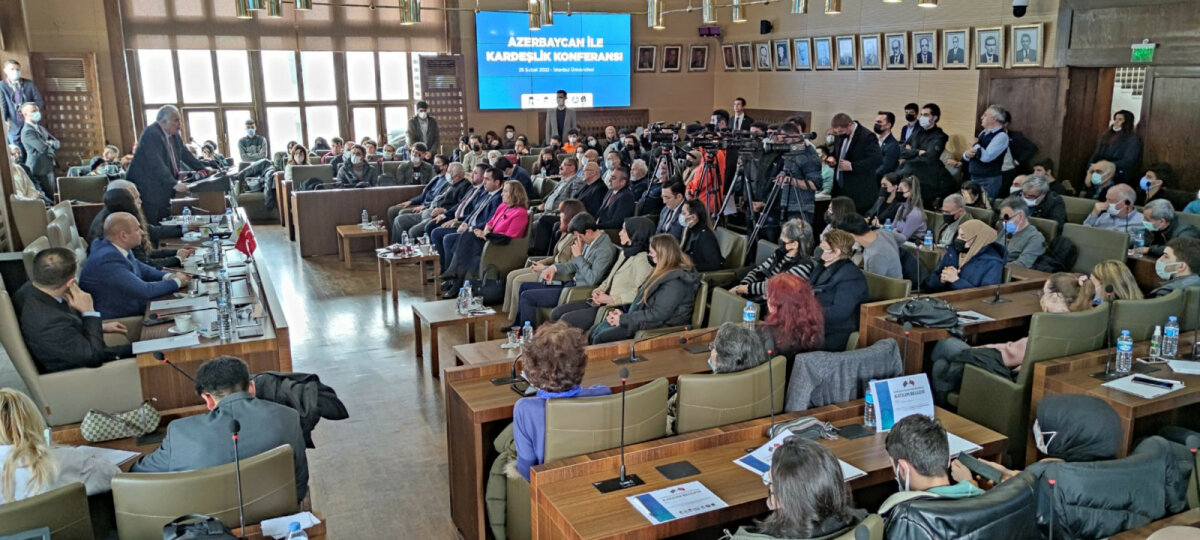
(658, 132)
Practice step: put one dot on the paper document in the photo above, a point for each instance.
(185, 304)
(1145, 386)
(162, 344)
(111, 455)
(278, 527)
(959, 445)
(1186, 367)
(759, 461)
(971, 317)
(899, 397)
(669, 504)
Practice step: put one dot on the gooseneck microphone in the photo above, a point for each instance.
(623, 481)
(1007, 236)
(235, 427)
(512, 377)
(633, 358)
(1108, 362)
(158, 355)
(701, 348)
(771, 390)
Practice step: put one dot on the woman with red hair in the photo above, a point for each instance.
(795, 322)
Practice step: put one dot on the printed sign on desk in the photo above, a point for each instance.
(900, 397)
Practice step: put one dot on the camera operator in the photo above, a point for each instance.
(632, 151)
(801, 176)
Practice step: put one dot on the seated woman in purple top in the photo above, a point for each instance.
(910, 219)
(554, 364)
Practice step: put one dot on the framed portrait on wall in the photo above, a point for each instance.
(646, 57)
(845, 53)
(745, 57)
(729, 57)
(671, 57)
(783, 55)
(896, 48)
(762, 55)
(823, 48)
(698, 58)
(802, 53)
(868, 44)
(958, 49)
(989, 45)
(924, 50)
(1026, 45)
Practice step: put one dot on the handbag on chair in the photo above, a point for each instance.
(491, 286)
(99, 426)
(197, 527)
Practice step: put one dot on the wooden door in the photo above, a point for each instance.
(1170, 114)
(1036, 99)
(71, 91)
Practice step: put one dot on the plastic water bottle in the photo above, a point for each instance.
(365, 218)
(187, 216)
(527, 333)
(1124, 353)
(217, 253)
(1156, 343)
(1139, 239)
(224, 286)
(869, 407)
(462, 301)
(543, 172)
(887, 225)
(470, 296)
(927, 245)
(229, 216)
(225, 318)
(404, 239)
(1170, 338)
(749, 315)
(294, 531)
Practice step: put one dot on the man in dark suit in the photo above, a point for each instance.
(61, 328)
(618, 203)
(858, 157)
(889, 147)
(40, 148)
(897, 56)
(739, 121)
(668, 217)
(1027, 53)
(592, 195)
(158, 163)
(16, 91)
(911, 125)
(924, 56)
(512, 171)
(121, 284)
(423, 128)
(990, 54)
(955, 53)
(204, 440)
(922, 155)
(481, 208)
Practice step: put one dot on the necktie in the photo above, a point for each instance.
(462, 206)
(171, 150)
(608, 199)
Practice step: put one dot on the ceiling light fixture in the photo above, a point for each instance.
(242, 9)
(303, 5)
(799, 7)
(833, 7)
(547, 8)
(738, 15)
(654, 14)
(535, 15)
(927, 3)
(275, 8)
(708, 11)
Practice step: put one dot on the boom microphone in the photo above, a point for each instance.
(512, 377)
(235, 427)
(158, 355)
(633, 357)
(700, 348)
(622, 481)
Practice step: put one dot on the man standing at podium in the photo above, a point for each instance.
(158, 164)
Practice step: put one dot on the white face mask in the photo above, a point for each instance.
(1013, 190)
(829, 139)
(1116, 128)
(356, 159)
(1029, 202)
(347, 154)
(683, 221)
(14, 74)
(1040, 438)
(1113, 210)
(387, 156)
(925, 121)
(508, 135)
(423, 115)
(573, 139)
(904, 485)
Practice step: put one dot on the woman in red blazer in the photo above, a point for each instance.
(511, 220)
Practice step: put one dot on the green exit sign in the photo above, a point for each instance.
(1142, 54)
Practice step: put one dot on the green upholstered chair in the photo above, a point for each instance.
(1095, 245)
(1141, 316)
(718, 399)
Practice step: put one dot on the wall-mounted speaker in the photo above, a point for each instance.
(765, 27)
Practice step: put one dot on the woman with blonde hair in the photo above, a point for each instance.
(29, 466)
(665, 299)
(1117, 275)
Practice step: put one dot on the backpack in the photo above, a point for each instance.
(928, 312)
(1059, 256)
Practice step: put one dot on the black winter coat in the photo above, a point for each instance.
(840, 288)
(303, 392)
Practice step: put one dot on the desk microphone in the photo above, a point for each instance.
(158, 355)
(907, 332)
(234, 428)
(623, 481)
(700, 348)
(633, 357)
(996, 299)
(1108, 362)
(512, 377)
(771, 381)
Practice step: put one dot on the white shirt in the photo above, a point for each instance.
(737, 122)
(73, 466)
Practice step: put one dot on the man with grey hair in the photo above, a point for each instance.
(735, 348)
(1025, 243)
(986, 156)
(1043, 203)
(160, 162)
(639, 178)
(1163, 225)
(1117, 212)
(954, 214)
(450, 194)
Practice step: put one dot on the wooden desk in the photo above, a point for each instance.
(345, 233)
(566, 505)
(1190, 518)
(1142, 268)
(484, 352)
(476, 411)
(1072, 375)
(254, 532)
(392, 260)
(873, 323)
(444, 313)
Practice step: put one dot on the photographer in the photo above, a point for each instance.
(801, 176)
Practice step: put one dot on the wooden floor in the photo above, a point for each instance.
(382, 472)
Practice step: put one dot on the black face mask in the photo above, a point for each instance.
(883, 192)
(910, 117)
(960, 245)
(828, 217)
(476, 147)
(879, 129)
(948, 218)
(901, 195)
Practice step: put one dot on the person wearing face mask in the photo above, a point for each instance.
(1159, 178)
(1116, 212)
(880, 247)
(639, 180)
(509, 141)
(1162, 225)
(666, 298)
(1101, 176)
(106, 163)
(1120, 145)
(699, 240)
(624, 271)
(388, 153)
(840, 287)
(298, 158)
(1043, 203)
(922, 154)
(253, 146)
(857, 155)
(477, 154)
(971, 260)
(1025, 242)
(888, 145)
(423, 128)
(919, 450)
(24, 188)
(791, 257)
(807, 495)
(910, 218)
(985, 158)
(16, 91)
(40, 148)
(1176, 267)
(617, 204)
(954, 214)
(1063, 292)
(574, 142)
(593, 194)
(974, 196)
(911, 126)
(560, 120)
(357, 172)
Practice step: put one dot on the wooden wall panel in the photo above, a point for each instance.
(1089, 98)
(1174, 24)
(1036, 97)
(1170, 112)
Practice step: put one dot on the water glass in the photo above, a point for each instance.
(514, 337)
